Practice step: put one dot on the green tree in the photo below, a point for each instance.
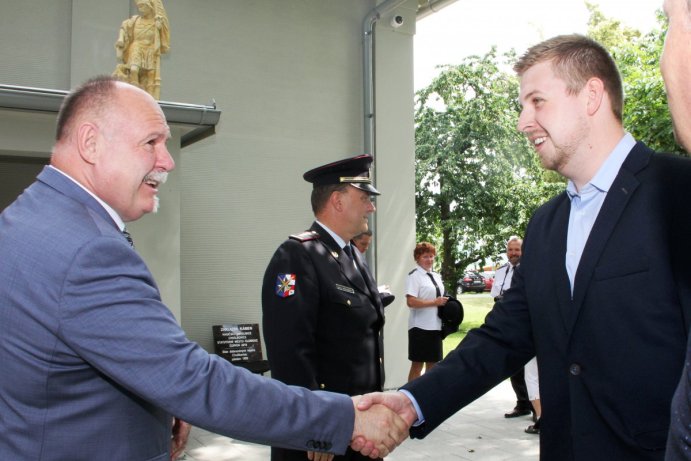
(478, 180)
(637, 55)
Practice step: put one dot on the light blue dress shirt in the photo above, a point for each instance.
(586, 204)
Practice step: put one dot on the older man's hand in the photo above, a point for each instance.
(378, 430)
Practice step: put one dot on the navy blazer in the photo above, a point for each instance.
(94, 364)
(610, 358)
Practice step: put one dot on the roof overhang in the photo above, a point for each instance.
(427, 7)
(197, 121)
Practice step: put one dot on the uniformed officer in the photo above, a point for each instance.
(323, 317)
(502, 282)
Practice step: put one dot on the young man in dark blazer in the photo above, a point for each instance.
(610, 346)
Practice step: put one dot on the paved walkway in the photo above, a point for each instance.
(478, 432)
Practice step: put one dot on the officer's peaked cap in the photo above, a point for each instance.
(354, 171)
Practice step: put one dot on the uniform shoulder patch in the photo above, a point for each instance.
(305, 236)
(411, 272)
(285, 285)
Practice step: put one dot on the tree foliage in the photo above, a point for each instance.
(637, 55)
(477, 178)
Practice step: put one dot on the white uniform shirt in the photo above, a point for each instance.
(502, 280)
(418, 284)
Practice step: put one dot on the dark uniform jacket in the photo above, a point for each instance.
(322, 320)
(610, 356)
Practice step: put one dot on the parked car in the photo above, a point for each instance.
(472, 281)
(489, 280)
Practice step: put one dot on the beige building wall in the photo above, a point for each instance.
(395, 176)
(287, 76)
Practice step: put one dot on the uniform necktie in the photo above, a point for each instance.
(501, 288)
(348, 249)
(431, 277)
(128, 237)
(436, 287)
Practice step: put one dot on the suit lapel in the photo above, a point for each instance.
(618, 196)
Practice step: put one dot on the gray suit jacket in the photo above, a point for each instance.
(94, 364)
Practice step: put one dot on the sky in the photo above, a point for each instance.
(469, 27)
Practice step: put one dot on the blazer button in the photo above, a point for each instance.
(322, 386)
(348, 302)
(575, 369)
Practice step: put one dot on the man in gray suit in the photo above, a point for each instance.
(94, 364)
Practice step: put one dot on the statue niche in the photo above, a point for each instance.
(142, 40)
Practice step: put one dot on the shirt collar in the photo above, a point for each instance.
(111, 212)
(341, 243)
(605, 176)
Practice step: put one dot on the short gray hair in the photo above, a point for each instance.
(516, 238)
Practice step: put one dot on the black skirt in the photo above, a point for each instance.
(424, 345)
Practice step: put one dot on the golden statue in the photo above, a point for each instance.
(142, 40)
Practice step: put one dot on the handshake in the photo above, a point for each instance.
(382, 421)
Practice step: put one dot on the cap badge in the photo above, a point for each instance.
(355, 179)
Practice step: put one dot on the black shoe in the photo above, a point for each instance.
(533, 428)
(515, 413)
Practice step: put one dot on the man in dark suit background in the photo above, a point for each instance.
(94, 365)
(610, 347)
(362, 242)
(323, 315)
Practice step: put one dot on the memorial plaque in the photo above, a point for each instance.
(238, 342)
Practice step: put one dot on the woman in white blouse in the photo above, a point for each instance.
(424, 293)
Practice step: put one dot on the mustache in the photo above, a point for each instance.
(158, 176)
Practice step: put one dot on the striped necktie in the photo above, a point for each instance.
(128, 237)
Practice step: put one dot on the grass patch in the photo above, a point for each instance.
(475, 308)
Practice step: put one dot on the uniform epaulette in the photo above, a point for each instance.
(411, 272)
(305, 236)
